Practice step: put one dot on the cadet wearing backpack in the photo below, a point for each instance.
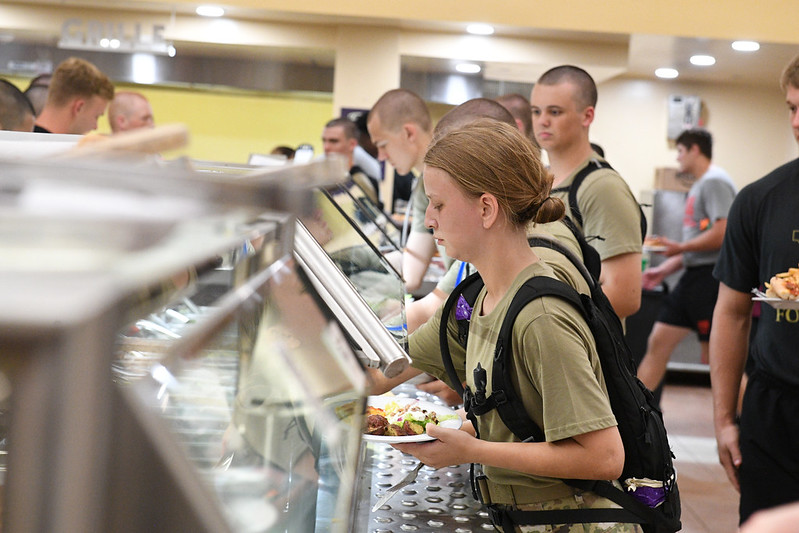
(563, 103)
(485, 183)
(419, 311)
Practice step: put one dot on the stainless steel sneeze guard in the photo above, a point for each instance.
(377, 343)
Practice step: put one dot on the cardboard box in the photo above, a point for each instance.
(670, 179)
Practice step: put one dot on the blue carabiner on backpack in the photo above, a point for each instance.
(461, 271)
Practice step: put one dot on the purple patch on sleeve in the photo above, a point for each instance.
(463, 311)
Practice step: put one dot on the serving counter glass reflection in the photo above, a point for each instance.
(178, 353)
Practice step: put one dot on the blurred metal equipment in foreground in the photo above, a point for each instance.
(234, 420)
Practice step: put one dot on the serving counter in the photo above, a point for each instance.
(184, 349)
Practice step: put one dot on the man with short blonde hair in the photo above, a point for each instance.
(78, 96)
(401, 128)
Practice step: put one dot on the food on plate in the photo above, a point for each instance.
(376, 424)
(396, 420)
(784, 285)
(654, 240)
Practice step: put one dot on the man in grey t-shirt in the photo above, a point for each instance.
(690, 305)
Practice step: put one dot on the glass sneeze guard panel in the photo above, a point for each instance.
(368, 334)
(267, 429)
(375, 224)
(370, 272)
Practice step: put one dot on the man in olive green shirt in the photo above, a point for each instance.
(562, 103)
(401, 128)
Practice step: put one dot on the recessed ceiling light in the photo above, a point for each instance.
(468, 68)
(703, 60)
(480, 29)
(746, 46)
(210, 11)
(666, 73)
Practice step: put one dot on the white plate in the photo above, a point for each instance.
(654, 248)
(439, 410)
(776, 303)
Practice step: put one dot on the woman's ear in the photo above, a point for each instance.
(489, 209)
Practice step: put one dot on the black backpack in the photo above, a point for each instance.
(593, 164)
(640, 422)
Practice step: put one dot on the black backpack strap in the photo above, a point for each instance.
(632, 511)
(579, 178)
(545, 241)
(469, 288)
(591, 257)
(509, 517)
(594, 164)
(503, 395)
(592, 279)
(643, 513)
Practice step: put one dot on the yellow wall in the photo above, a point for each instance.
(228, 126)
(22, 83)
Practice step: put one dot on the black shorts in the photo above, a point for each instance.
(690, 304)
(769, 472)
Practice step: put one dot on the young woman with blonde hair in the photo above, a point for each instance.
(486, 183)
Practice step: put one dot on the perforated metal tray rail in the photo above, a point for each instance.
(438, 500)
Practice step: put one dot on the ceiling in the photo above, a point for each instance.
(646, 52)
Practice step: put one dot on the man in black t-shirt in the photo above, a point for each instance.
(78, 95)
(761, 456)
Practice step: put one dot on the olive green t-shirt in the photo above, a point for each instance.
(555, 369)
(419, 202)
(609, 210)
(564, 270)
